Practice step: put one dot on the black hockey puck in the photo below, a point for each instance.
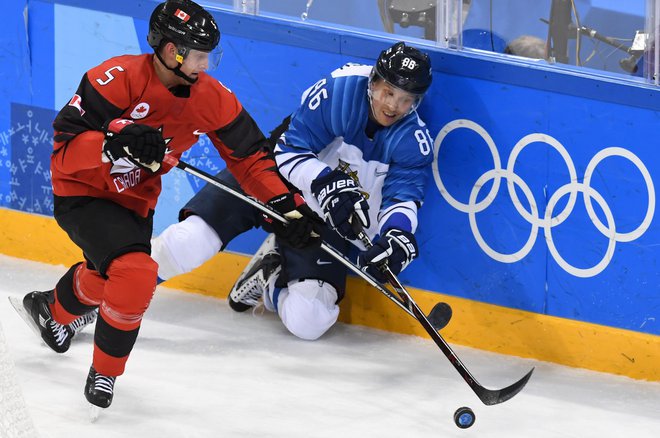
(464, 417)
(440, 315)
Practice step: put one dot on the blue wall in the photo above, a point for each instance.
(483, 230)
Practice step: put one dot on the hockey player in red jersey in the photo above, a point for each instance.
(110, 140)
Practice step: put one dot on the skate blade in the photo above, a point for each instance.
(17, 304)
(94, 412)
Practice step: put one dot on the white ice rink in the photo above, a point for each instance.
(200, 370)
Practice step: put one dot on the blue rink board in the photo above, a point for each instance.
(593, 261)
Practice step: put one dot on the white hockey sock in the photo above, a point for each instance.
(184, 246)
(307, 308)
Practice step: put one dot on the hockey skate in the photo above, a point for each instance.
(79, 324)
(35, 312)
(98, 391)
(75, 327)
(259, 275)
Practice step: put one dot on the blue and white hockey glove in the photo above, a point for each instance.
(341, 200)
(396, 248)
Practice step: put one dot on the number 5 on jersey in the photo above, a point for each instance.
(108, 75)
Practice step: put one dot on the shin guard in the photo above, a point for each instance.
(128, 291)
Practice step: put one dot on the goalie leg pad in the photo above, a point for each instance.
(308, 308)
(184, 246)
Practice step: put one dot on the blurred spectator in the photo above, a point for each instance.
(528, 46)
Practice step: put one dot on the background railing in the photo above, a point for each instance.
(600, 37)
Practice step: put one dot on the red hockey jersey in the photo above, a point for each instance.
(128, 87)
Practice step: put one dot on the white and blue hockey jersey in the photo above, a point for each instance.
(329, 130)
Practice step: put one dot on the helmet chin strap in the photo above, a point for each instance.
(176, 70)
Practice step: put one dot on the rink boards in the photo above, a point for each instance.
(539, 222)
(475, 324)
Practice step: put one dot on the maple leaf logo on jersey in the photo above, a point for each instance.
(140, 111)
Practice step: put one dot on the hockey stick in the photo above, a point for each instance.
(487, 396)
(439, 315)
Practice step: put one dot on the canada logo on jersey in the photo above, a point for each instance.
(140, 111)
(126, 172)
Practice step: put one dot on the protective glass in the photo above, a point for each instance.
(199, 60)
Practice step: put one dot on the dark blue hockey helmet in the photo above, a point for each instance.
(404, 67)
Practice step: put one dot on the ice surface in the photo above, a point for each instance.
(200, 370)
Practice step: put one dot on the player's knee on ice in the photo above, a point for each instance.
(308, 308)
(184, 246)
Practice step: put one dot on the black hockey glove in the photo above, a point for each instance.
(304, 227)
(340, 200)
(141, 144)
(396, 248)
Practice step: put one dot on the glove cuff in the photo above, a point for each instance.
(115, 126)
(284, 203)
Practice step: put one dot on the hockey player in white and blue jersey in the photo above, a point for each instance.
(357, 150)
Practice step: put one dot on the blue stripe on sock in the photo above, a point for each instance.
(275, 297)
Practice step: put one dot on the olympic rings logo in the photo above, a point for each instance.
(550, 219)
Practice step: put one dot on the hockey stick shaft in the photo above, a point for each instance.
(174, 162)
(487, 396)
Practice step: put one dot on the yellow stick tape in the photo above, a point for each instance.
(474, 324)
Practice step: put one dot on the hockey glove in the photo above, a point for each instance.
(396, 248)
(304, 227)
(340, 200)
(141, 144)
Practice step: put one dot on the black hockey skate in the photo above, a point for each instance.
(56, 336)
(259, 274)
(99, 388)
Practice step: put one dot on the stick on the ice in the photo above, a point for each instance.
(487, 396)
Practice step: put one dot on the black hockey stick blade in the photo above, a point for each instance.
(491, 397)
(440, 315)
(487, 396)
